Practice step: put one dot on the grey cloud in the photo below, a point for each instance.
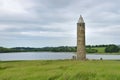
(55, 4)
(61, 16)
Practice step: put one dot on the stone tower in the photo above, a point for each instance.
(81, 51)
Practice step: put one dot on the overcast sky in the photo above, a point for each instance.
(40, 23)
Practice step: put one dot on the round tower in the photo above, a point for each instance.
(81, 50)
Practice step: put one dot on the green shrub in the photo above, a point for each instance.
(111, 49)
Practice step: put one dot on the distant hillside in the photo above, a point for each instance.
(89, 49)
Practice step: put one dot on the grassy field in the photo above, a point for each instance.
(60, 70)
(100, 49)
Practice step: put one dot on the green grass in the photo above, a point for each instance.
(60, 70)
(100, 49)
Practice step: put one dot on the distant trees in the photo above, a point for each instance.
(92, 46)
(89, 49)
(60, 49)
(112, 49)
(28, 49)
(4, 50)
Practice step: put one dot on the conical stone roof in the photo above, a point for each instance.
(81, 20)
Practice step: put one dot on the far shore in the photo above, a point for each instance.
(64, 52)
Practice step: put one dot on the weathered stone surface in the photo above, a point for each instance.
(81, 51)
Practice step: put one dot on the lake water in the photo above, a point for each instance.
(50, 56)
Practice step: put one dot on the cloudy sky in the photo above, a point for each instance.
(40, 23)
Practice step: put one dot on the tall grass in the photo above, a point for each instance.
(60, 70)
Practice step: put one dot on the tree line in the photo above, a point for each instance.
(89, 49)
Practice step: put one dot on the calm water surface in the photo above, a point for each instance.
(50, 56)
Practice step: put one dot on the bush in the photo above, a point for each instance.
(111, 49)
